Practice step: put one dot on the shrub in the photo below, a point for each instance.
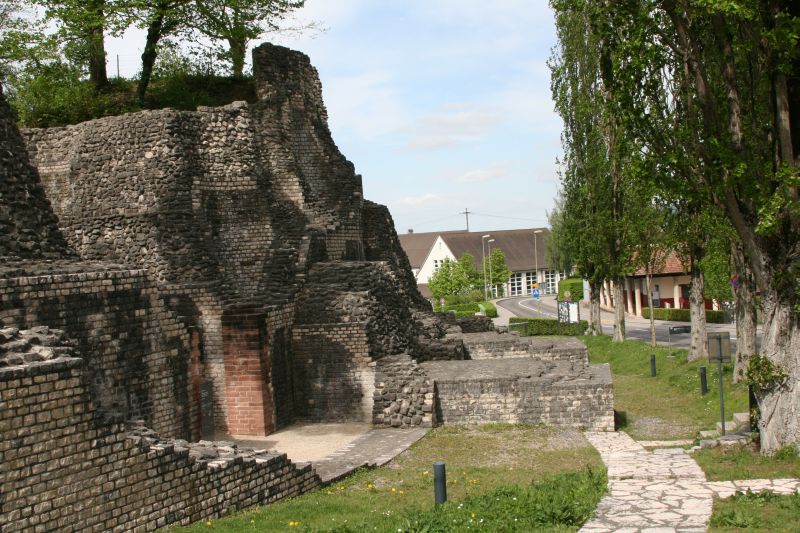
(469, 309)
(529, 327)
(683, 315)
(574, 286)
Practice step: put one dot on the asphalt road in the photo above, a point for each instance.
(635, 328)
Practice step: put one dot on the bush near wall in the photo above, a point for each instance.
(529, 327)
(683, 315)
(574, 286)
(469, 309)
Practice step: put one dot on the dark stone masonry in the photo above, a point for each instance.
(171, 277)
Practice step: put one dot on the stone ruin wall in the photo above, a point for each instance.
(229, 208)
(196, 232)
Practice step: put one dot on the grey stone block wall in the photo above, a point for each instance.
(523, 391)
(404, 394)
(64, 468)
(490, 345)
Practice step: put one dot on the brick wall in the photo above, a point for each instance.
(334, 375)
(250, 408)
(137, 352)
(65, 467)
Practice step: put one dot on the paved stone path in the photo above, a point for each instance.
(663, 491)
(375, 448)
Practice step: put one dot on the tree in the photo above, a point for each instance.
(83, 23)
(498, 270)
(466, 263)
(237, 22)
(711, 90)
(454, 277)
(599, 161)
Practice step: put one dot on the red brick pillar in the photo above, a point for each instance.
(247, 373)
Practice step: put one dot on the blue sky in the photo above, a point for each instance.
(441, 105)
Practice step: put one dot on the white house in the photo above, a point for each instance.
(524, 250)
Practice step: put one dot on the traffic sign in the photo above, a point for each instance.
(536, 293)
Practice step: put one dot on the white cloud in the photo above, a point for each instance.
(452, 125)
(366, 104)
(416, 201)
(481, 175)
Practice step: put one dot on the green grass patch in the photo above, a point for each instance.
(668, 406)
(727, 463)
(487, 467)
(762, 511)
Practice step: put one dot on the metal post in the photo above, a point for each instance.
(652, 365)
(483, 254)
(491, 286)
(439, 483)
(703, 381)
(721, 390)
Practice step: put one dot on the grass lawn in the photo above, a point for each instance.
(489, 471)
(745, 462)
(668, 406)
(762, 511)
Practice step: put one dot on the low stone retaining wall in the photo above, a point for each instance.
(491, 345)
(521, 390)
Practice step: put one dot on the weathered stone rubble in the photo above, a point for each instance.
(40, 343)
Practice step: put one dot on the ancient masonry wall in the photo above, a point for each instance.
(28, 228)
(491, 345)
(334, 375)
(65, 468)
(523, 391)
(404, 394)
(137, 352)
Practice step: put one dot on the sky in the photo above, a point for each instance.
(441, 105)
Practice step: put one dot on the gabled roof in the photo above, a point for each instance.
(517, 245)
(417, 246)
(673, 265)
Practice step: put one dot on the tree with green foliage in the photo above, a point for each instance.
(454, 277)
(237, 22)
(497, 271)
(711, 91)
(598, 210)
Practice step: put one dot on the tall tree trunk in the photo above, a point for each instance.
(649, 278)
(595, 322)
(154, 33)
(745, 309)
(779, 423)
(237, 48)
(95, 40)
(698, 348)
(619, 311)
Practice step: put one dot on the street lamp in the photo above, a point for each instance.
(536, 266)
(491, 287)
(483, 257)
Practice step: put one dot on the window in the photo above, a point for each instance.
(516, 284)
(436, 264)
(550, 282)
(530, 279)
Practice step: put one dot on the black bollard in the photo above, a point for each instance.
(703, 381)
(652, 365)
(439, 483)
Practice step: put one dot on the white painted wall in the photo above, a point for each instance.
(439, 251)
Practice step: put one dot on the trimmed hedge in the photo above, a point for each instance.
(530, 327)
(469, 309)
(683, 315)
(574, 286)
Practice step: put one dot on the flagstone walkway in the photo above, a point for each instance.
(663, 491)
